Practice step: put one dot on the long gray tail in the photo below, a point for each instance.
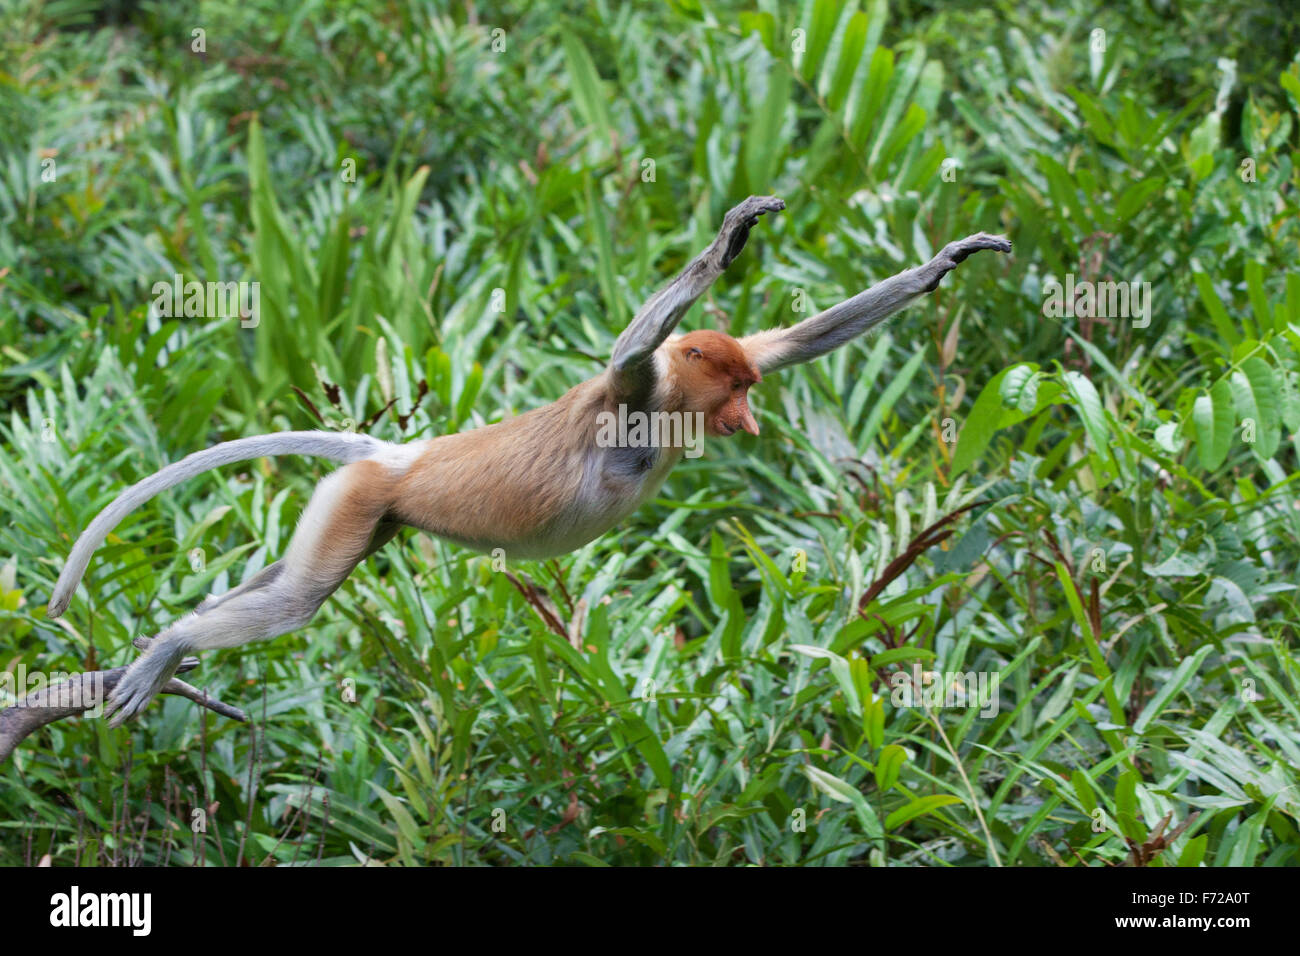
(336, 446)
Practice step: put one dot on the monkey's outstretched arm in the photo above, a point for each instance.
(631, 362)
(776, 348)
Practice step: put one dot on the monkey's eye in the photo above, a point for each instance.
(737, 386)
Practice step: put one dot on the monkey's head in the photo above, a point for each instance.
(715, 375)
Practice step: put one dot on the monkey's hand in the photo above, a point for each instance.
(633, 371)
(958, 250)
(739, 220)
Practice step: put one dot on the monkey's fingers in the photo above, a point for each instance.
(958, 251)
(740, 219)
(748, 211)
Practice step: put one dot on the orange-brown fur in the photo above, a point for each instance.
(346, 536)
(714, 374)
(524, 472)
(540, 482)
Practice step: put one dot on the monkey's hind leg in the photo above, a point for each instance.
(342, 524)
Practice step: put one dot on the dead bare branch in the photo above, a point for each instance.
(83, 692)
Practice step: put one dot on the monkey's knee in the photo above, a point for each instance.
(262, 579)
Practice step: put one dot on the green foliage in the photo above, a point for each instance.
(1094, 513)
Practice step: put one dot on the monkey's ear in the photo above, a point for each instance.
(691, 352)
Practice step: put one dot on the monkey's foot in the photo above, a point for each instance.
(142, 681)
(740, 219)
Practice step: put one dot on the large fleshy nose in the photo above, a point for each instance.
(747, 421)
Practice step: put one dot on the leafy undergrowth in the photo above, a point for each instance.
(1079, 535)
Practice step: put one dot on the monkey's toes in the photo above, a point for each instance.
(142, 682)
(126, 702)
(118, 710)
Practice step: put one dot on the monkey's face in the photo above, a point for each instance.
(715, 377)
(730, 412)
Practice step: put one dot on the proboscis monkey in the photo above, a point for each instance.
(538, 485)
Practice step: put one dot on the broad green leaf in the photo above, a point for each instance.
(855, 38)
(1290, 401)
(912, 123)
(889, 766)
(1212, 417)
(918, 807)
(884, 403)
(1268, 405)
(1126, 806)
(588, 94)
(838, 790)
(896, 654)
(820, 29)
(1177, 566)
(1254, 271)
(1083, 790)
(473, 382)
(843, 792)
(840, 670)
(870, 95)
(1087, 403)
(980, 424)
(1166, 436)
(1194, 852)
(1019, 390)
(1243, 398)
(1214, 306)
(1134, 198)
(646, 741)
(764, 143)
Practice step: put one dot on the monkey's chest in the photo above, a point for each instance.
(633, 479)
(615, 482)
(525, 498)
